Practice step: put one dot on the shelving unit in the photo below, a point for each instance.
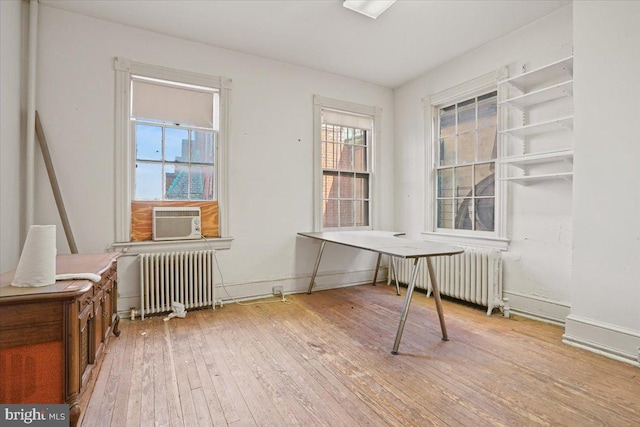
(546, 157)
(518, 95)
(526, 180)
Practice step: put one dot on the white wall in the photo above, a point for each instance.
(12, 132)
(270, 148)
(605, 312)
(537, 266)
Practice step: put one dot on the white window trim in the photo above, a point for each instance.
(125, 150)
(498, 238)
(320, 102)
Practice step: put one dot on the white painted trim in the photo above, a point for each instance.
(125, 149)
(320, 102)
(246, 291)
(467, 89)
(150, 246)
(536, 307)
(465, 240)
(622, 344)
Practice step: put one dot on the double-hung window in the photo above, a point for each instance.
(466, 164)
(175, 138)
(466, 198)
(344, 172)
(171, 149)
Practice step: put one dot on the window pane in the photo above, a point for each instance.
(176, 182)
(464, 179)
(148, 142)
(345, 157)
(329, 157)
(487, 144)
(332, 133)
(329, 213)
(176, 145)
(201, 183)
(447, 151)
(346, 213)
(448, 121)
(445, 216)
(148, 181)
(467, 116)
(466, 147)
(329, 185)
(344, 135)
(202, 147)
(359, 158)
(362, 213)
(464, 214)
(346, 186)
(487, 110)
(362, 187)
(485, 214)
(445, 182)
(361, 137)
(484, 180)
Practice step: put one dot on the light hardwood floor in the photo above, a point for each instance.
(325, 359)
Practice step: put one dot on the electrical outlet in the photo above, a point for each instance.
(277, 291)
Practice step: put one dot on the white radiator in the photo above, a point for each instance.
(474, 276)
(184, 277)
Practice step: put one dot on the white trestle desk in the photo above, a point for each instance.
(394, 245)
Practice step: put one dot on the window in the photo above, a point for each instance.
(466, 164)
(171, 148)
(344, 152)
(466, 200)
(175, 150)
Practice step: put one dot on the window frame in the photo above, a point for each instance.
(460, 93)
(125, 156)
(320, 104)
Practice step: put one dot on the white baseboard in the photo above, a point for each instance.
(537, 308)
(261, 289)
(608, 340)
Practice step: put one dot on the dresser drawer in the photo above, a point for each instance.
(84, 300)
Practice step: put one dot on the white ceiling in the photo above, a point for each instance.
(411, 37)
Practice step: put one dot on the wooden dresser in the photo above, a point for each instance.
(52, 338)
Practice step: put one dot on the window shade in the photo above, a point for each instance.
(172, 104)
(348, 120)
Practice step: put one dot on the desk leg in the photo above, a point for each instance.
(375, 275)
(315, 268)
(394, 273)
(407, 302)
(436, 297)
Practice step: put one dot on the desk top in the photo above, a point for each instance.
(385, 242)
(84, 263)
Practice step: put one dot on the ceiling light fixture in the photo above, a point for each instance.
(370, 8)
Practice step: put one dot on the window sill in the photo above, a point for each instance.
(497, 243)
(217, 243)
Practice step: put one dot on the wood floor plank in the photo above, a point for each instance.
(232, 401)
(325, 359)
(126, 343)
(211, 404)
(185, 374)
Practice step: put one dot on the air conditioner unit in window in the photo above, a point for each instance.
(176, 223)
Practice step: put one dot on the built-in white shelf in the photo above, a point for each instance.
(524, 160)
(533, 88)
(526, 180)
(549, 93)
(538, 76)
(562, 123)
